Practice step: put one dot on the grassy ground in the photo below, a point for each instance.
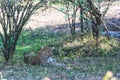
(82, 59)
(85, 69)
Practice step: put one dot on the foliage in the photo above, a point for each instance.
(14, 15)
(66, 48)
(89, 14)
(32, 40)
(88, 47)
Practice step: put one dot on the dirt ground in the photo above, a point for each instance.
(54, 18)
(50, 17)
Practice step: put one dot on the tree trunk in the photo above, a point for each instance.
(8, 53)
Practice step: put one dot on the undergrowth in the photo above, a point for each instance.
(83, 59)
(66, 47)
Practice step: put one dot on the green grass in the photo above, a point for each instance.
(33, 40)
(84, 59)
(85, 68)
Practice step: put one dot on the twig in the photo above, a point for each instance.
(114, 24)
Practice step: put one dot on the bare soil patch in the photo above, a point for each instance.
(54, 18)
(49, 17)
